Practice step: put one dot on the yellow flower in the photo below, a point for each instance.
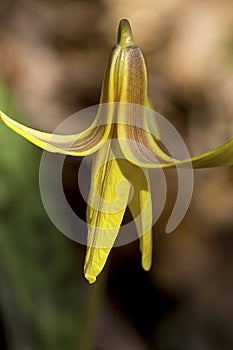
(114, 131)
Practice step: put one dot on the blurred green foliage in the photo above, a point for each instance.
(39, 306)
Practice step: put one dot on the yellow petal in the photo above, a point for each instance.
(106, 207)
(141, 148)
(109, 194)
(80, 144)
(141, 209)
(221, 156)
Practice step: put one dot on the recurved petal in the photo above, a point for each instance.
(221, 156)
(140, 155)
(81, 144)
(142, 149)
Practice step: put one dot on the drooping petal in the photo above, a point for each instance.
(141, 209)
(80, 144)
(107, 202)
(146, 248)
(109, 196)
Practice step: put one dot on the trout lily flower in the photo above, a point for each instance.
(124, 84)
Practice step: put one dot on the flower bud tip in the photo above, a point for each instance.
(125, 36)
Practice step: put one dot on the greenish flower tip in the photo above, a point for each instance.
(125, 36)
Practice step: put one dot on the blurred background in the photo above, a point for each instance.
(52, 60)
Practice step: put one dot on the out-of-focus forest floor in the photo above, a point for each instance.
(52, 60)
